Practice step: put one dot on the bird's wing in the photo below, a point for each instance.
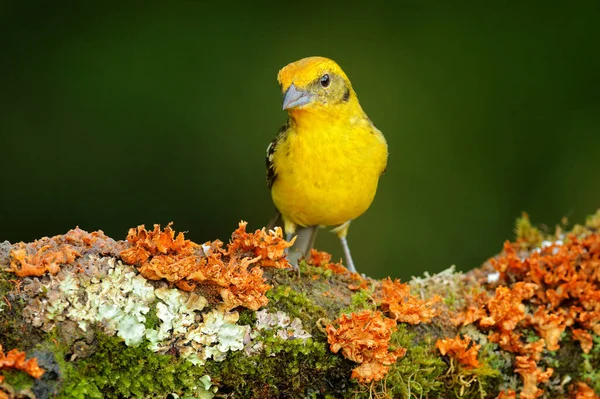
(271, 175)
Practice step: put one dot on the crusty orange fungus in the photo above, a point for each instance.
(161, 254)
(581, 390)
(559, 284)
(164, 255)
(365, 338)
(323, 259)
(395, 299)
(15, 359)
(502, 314)
(505, 309)
(509, 394)
(46, 255)
(532, 376)
(474, 312)
(269, 246)
(568, 280)
(460, 349)
(360, 283)
(584, 338)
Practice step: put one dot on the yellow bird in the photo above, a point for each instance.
(324, 165)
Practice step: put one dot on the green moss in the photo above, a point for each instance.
(492, 357)
(474, 382)
(6, 288)
(414, 376)
(285, 368)
(530, 335)
(18, 380)
(306, 269)
(360, 300)
(5, 285)
(14, 330)
(296, 304)
(590, 365)
(247, 317)
(152, 320)
(117, 371)
(527, 235)
(422, 372)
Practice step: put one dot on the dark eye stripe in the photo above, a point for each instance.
(346, 96)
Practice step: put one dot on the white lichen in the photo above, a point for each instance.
(119, 300)
(114, 297)
(217, 334)
(546, 244)
(277, 324)
(493, 277)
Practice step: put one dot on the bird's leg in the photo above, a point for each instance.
(304, 242)
(292, 253)
(342, 232)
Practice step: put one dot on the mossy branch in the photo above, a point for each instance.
(104, 319)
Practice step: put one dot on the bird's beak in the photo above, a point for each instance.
(294, 98)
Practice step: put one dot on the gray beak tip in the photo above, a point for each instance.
(294, 98)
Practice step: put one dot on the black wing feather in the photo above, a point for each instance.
(271, 175)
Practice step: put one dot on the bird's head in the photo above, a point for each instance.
(315, 84)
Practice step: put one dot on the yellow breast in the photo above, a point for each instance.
(327, 170)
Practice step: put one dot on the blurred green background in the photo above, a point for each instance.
(150, 112)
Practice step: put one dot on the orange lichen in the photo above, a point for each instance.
(270, 246)
(160, 254)
(43, 261)
(469, 316)
(581, 390)
(506, 309)
(512, 341)
(503, 314)
(532, 376)
(234, 271)
(365, 338)
(15, 359)
(47, 255)
(460, 349)
(361, 283)
(155, 243)
(584, 338)
(560, 285)
(568, 279)
(475, 310)
(318, 258)
(510, 394)
(395, 299)
(323, 259)
(549, 326)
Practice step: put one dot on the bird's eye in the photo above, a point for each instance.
(325, 81)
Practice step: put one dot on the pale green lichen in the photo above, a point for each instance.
(204, 390)
(176, 311)
(119, 301)
(277, 324)
(214, 337)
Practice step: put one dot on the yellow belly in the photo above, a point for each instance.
(327, 177)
